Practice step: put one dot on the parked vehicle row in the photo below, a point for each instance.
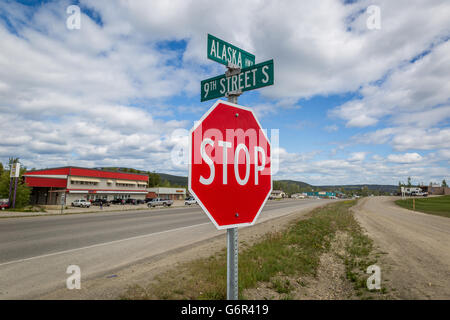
(151, 202)
(102, 202)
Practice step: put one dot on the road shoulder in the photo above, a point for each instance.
(113, 285)
(417, 259)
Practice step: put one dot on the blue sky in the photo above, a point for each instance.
(352, 103)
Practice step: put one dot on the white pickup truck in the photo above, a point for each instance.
(159, 202)
(189, 201)
(81, 203)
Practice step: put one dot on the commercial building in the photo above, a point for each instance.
(49, 185)
(322, 194)
(435, 190)
(277, 194)
(167, 193)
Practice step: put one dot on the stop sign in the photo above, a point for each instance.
(229, 165)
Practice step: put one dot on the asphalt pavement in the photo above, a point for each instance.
(36, 251)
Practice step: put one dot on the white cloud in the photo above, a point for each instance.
(405, 158)
(422, 139)
(318, 48)
(331, 128)
(376, 171)
(413, 94)
(95, 96)
(377, 157)
(357, 156)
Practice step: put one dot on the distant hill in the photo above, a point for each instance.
(172, 179)
(176, 180)
(292, 186)
(370, 187)
(288, 186)
(298, 183)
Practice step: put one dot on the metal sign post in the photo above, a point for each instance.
(63, 201)
(10, 191)
(14, 174)
(232, 264)
(232, 233)
(15, 191)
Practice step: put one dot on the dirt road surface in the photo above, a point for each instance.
(417, 262)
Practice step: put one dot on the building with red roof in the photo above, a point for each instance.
(48, 185)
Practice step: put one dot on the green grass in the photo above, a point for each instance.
(24, 209)
(434, 205)
(295, 251)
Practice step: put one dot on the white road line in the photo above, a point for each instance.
(104, 244)
(100, 244)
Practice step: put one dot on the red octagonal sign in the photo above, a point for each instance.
(229, 165)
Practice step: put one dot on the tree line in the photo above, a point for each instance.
(23, 191)
(154, 179)
(409, 184)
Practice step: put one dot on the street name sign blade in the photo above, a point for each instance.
(229, 165)
(225, 53)
(254, 77)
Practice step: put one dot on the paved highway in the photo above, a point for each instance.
(36, 251)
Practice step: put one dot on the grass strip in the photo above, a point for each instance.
(439, 206)
(295, 251)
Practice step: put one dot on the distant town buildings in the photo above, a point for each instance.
(277, 194)
(167, 193)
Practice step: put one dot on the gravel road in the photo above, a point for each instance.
(417, 246)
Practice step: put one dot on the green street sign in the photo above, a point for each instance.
(250, 78)
(225, 53)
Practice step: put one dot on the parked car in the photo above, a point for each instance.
(118, 201)
(140, 201)
(189, 201)
(103, 202)
(4, 204)
(159, 202)
(81, 203)
(131, 201)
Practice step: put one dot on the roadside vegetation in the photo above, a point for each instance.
(281, 265)
(439, 206)
(23, 191)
